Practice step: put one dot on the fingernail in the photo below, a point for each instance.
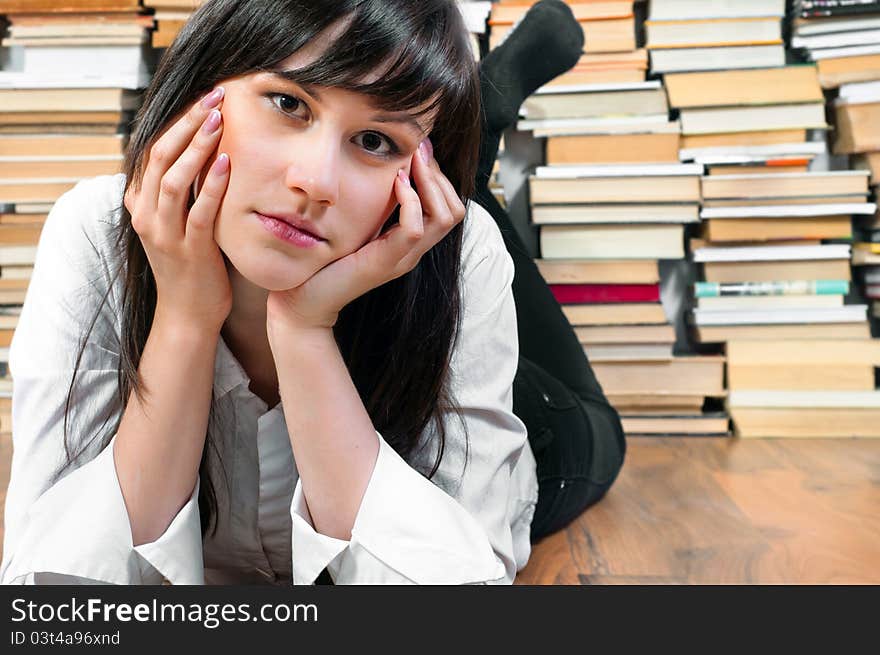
(221, 165)
(430, 147)
(403, 176)
(424, 153)
(213, 99)
(212, 122)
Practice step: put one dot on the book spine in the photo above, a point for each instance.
(605, 293)
(778, 288)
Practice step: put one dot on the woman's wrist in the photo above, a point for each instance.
(293, 335)
(183, 329)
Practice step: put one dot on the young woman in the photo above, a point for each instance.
(313, 333)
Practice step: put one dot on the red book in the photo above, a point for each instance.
(586, 293)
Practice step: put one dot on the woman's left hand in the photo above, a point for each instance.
(425, 218)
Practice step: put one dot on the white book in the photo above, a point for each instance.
(661, 127)
(736, 154)
(612, 241)
(702, 9)
(604, 352)
(739, 159)
(772, 253)
(836, 40)
(748, 119)
(788, 315)
(791, 211)
(569, 171)
(32, 208)
(47, 158)
(615, 213)
(475, 15)
(599, 88)
(109, 59)
(676, 60)
(849, 51)
(17, 255)
(858, 93)
(86, 80)
(824, 399)
(596, 125)
(728, 303)
(838, 25)
(802, 176)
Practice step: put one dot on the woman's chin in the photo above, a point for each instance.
(270, 274)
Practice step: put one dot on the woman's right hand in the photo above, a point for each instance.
(192, 283)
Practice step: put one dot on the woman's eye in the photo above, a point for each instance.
(286, 103)
(372, 141)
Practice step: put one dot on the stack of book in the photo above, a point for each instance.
(742, 121)
(804, 388)
(76, 42)
(857, 111)
(602, 124)
(70, 84)
(170, 17)
(610, 54)
(866, 259)
(776, 260)
(608, 26)
(841, 36)
(602, 230)
(776, 253)
(683, 35)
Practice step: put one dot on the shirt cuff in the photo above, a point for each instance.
(79, 529)
(177, 554)
(311, 551)
(407, 531)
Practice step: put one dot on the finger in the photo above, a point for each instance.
(167, 148)
(453, 200)
(381, 259)
(434, 203)
(203, 213)
(174, 189)
(407, 241)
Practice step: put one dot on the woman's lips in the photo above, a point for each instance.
(289, 233)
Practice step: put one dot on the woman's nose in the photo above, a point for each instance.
(314, 169)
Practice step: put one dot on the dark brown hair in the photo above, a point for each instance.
(396, 340)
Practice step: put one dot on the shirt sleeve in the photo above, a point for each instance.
(76, 529)
(456, 527)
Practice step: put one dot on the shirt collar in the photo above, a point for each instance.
(228, 373)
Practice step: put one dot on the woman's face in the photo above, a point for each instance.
(323, 156)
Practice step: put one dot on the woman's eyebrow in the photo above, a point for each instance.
(392, 117)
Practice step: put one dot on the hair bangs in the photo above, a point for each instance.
(416, 63)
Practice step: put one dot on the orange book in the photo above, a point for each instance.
(608, 148)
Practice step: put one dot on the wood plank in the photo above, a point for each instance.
(726, 511)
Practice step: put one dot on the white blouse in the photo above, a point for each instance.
(470, 528)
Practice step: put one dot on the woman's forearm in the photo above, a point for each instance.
(159, 443)
(333, 439)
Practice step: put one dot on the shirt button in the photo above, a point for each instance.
(546, 398)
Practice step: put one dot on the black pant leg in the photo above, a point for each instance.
(579, 446)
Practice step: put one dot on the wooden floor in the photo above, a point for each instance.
(718, 511)
(726, 511)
